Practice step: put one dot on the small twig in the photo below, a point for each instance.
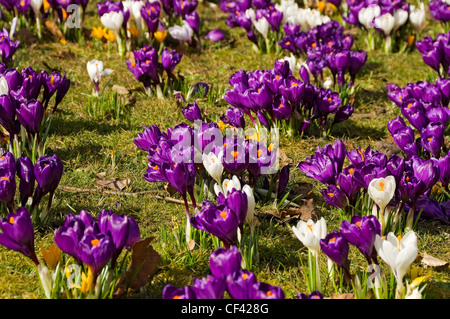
(70, 189)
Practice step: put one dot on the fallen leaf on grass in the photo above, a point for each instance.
(144, 262)
(54, 29)
(191, 244)
(304, 212)
(115, 184)
(431, 261)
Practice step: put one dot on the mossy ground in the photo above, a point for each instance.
(88, 146)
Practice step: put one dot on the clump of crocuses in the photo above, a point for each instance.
(87, 260)
(392, 23)
(277, 99)
(435, 53)
(227, 279)
(35, 180)
(263, 20)
(396, 185)
(24, 99)
(325, 47)
(149, 69)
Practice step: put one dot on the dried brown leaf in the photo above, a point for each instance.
(53, 28)
(431, 261)
(115, 184)
(144, 262)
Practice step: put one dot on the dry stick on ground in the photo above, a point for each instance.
(70, 189)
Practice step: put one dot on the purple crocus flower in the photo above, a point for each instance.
(17, 233)
(240, 284)
(209, 287)
(224, 220)
(7, 47)
(26, 176)
(149, 137)
(314, 295)
(170, 59)
(215, 35)
(30, 115)
(8, 106)
(7, 189)
(234, 117)
(334, 196)
(122, 230)
(150, 13)
(184, 7)
(224, 262)
(320, 167)
(171, 292)
(336, 247)
(193, 20)
(361, 232)
(96, 250)
(192, 112)
(431, 209)
(48, 171)
(68, 236)
(262, 290)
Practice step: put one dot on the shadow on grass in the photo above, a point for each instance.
(356, 129)
(62, 125)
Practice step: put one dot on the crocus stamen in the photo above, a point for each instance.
(409, 105)
(223, 215)
(399, 238)
(2, 158)
(358, 224)
(288, 43)
(11, 220)
(155, 167)
(330, 194)
(310, 227)
(244, 276)
(176, 297)
(52, 80)
(294, 84)
(94, 242)
(382, 186)
(5, 178)
(313, 45)
(235, 155)
(332, 240)
(351, 171)
(329, 99)
(269, 293)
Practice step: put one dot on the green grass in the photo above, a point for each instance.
(86, 145)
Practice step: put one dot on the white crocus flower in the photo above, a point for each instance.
(366, 15)
(262, 25)
(310, 233)
(417, 15)
(213, 165)
(45, 276)
(228, 185)
(96, 72)
(112, 20)
(250, 204)
(182, 33)
(381, 190)
(399, 253)
(386, 22)
(4, 88)
(250, 14)
(400, 18)
(413, 294)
